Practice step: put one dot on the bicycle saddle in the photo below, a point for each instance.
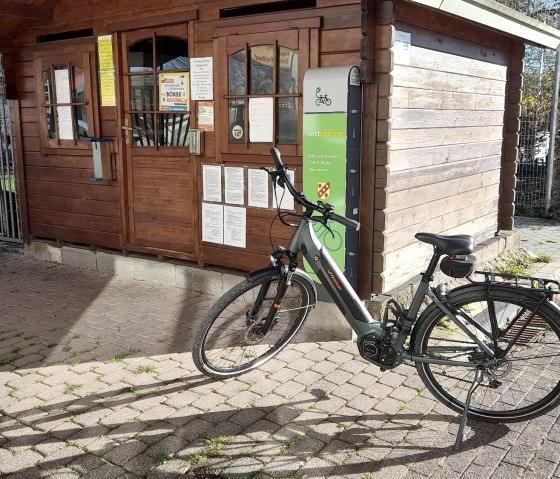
(456, 244)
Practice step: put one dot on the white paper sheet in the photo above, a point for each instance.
(212, 223)
(235, 226)
(258, 188)
(212, 183)
(202, 78)
(261, 115)
(287, 201)
(401, 48)
(64, 113)
(234, 178)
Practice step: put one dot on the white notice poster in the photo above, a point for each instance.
(211, 183)
(234, 178)
(212, 223)
(283, 196)
(258, 188)
(235, 222)
(401, 48)
(202, 85)
(261, 114)
(64, 113)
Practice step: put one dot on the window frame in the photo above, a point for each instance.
(304, 40)
(178, 32)
(82, 56)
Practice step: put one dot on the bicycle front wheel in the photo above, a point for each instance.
(230, 341)
(524, 383)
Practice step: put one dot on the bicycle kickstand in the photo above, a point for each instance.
(477, 382)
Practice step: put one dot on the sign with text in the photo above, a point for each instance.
(174, 91)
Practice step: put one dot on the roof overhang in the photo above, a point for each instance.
(499, 17)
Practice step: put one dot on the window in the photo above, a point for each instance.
(66, 97)
(158, 91)
(265, 84)
(260, 77)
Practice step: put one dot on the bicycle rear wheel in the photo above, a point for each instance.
(523, 384)
(228, 342)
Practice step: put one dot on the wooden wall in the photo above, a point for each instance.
(63, 203)
(438, 119)
(447, 127)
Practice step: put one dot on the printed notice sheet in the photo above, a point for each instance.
(234, 178)
(64, 113)
(212, 223)
(211, 183)
(258, 188)
(283, 196)
(261, 114)
(235, 223)
(401, 48)
(202, 78)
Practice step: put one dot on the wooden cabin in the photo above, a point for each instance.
(441, 84)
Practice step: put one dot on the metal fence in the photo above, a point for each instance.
(9, 215)
(534, 138)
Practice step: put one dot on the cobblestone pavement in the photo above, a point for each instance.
(96, 381)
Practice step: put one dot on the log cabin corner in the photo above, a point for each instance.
(441, 93)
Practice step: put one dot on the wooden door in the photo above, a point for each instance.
(160, 171)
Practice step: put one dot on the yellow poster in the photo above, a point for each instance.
(106, 70)
(174, 91)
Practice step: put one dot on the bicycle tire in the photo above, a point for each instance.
(230, 315)
(529, 375)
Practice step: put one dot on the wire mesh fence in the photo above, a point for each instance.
(534, 137)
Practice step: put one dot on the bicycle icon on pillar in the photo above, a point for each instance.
(322, 99)
(332, 239)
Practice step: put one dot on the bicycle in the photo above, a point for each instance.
(488, 349)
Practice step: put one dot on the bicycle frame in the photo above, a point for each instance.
(353, 309)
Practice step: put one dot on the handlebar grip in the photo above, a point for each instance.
(355, 225)
(277, 158)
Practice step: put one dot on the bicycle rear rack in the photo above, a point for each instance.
(540, 285)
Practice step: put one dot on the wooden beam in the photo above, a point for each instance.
(24, 10)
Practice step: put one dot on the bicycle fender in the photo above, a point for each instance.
(256, 275)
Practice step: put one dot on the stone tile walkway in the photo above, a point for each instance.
(96, 381)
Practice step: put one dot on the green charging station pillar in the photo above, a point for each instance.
(332, 113)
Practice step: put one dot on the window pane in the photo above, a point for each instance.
(237, 73)
(142, 92)
(80, 121)
(78, 87)
(286, 114)
(261, 69)
(143, 133)
(288, 71)
(48, 93)
(171, 54)
(140, 56)
(173, 129)
(237, 121)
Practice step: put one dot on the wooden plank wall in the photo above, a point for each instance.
(448, 102)
(65, 205)
(339, 44)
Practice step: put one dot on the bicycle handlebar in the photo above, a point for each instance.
(324, 208)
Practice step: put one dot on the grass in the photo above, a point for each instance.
(71, 387)
(292, 442)
(4, 361)
(145, 368)
(212, 449)
(122, 355)
(162, 458)
(519, 262)
(66, 348)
